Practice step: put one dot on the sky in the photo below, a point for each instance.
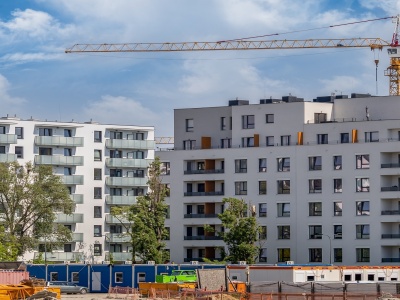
(39, 80)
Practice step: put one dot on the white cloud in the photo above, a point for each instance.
(5, 98)
(341, 84)
(392, 7)
(18, 57)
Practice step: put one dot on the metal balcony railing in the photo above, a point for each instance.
(391, 236)
(203, 193)
(393, 188)
(390, 212)
(391, 259)
(390, 165)
(211, 171)
(202, 238)
(194, 216)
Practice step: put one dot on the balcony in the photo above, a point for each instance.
(127, 163)
(200, 259)
(77, 237)
(202, 238)
(72, 179)
(390, 212)
(119, 256)
(59, 160)
(391, 236)
(187, 194)
(130, 144)
(77, 198)
(113, 220)
(118, 238)
(383, 166)
(213, 171)
(126, 181)
(194, 216)
(8, 157)
(8, 139)
(394, 260)
(59, 141)
(120, 200)
(59, 256)
(73, 218)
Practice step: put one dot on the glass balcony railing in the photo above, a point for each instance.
(59, 256)
(194, 216)
(215, 193)
(59, 141)
(127, 163)
(77, 237)
(72, 179)
(119, 256)
(130, 144)
(117, 238)
(120, 200)
(8, 157)
(126, 181)
(73, 218)
(59, 160)
(8, 139)
(113, 220)
(77, 198)
(202, 238)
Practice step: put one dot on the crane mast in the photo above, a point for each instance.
(393, 71)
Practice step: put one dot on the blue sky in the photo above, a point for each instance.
(38, 79)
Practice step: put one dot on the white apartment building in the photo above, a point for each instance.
(102, 165)
(323, 176)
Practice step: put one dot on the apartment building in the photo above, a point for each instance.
(323, 177)
(101, 165)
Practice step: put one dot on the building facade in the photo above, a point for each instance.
(322, 176)
(101, 165)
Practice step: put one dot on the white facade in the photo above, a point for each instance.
(102, 165)
(324, 178)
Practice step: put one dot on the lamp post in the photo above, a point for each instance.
(330, 247)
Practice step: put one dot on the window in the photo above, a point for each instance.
(263, 255)
(189, 145)
(114, 192)
(319, 117)
(240, 165)
(134, 155)
(67, 152)
(19, 132)
(67, 248)
(225, 143)
(262, 187)
(67, 133)
(97, 155)
(362, 208)
(262, 165)
(67, 171)
(97, 174)
(135, 173)
(337, 185)
(263, 233)
(283, 164)
(314, 163)
(362, 185)
(2, 129)
(98, 193)
(362, 254)
(116, 153)
(270, 141)
(315, 232)
(97, 136)
(45, 131)
(283, 186)
(189, 125)
(362, 161)
(337, 162)
(315, 209)
(248, 122)
(165, 168)
(2, 149)
(315, 254)
(322, 139)
(337, 231)
(283, 209)
(241, 188)
(115, 172)
(53, 276)
(337, 255)
(223, 123)
(315, 186)
(75, 276)
(362, 231)
(97, 230)
(119, 278)
(344, 138)
(372, 136)
(97, 251)
(45, 151)
(115, 248)
(269, 118)
(262, 209)
(285, 140)
(284, 232)
(337, 208)
(97, 211)
(116, 135)
(247, 142)
(283, 254)
(19, 151)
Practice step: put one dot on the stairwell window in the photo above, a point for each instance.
(189, 125)
(248, 122)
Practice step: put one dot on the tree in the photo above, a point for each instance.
(144, 221)
(30, 196)
(242, 231)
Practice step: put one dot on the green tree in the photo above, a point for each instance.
(242, 231)
(144, 221)
(30, 196)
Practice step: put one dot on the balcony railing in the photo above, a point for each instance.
(213, 171)
(390, 212)
(72, 179)
(126, 181)
(59, 141)
(390, 189)
(77, 237)
(8, 157)
(130, 144)
(119, 256)
(117, 238)
(390, 165)
(73, 218)
(8, 139)
(120, 200)
(194, 216)
(113, 220)
(202, 238)
(77, 198)
(203, 193)
(59, 160)
(391, 259)
(127, 163)
(200, 259)
(391, 236)
(59, 256)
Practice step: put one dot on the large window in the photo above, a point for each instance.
(315, 209)
(262, 187)
(240, 165)
(337, 208)
(116, 135)
(45, 151)
(283, 254)
(283, 186)
(189, 145)
(362, 185)
(247, 142)
(362, 208)
(284, 232)
(362, 231)
(315, 254)
(262, 209)
(372, 136)
(362, 254)
(337, 162)
(314, 163)
(362, 161)
(67, 133)
(262, 165)
(241, 188)
(285, 140)
(283, 164)
(283, 209)
(315, 186)
(45, 131)
(67, 151)
(337, 231)
(248, 122)
(226, 143)
(189, 125)
(344, 138)
(337, 185)
(322, 139)
(315, 232)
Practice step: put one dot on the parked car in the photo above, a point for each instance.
(68, 287)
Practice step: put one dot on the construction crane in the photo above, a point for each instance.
(393, 71)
